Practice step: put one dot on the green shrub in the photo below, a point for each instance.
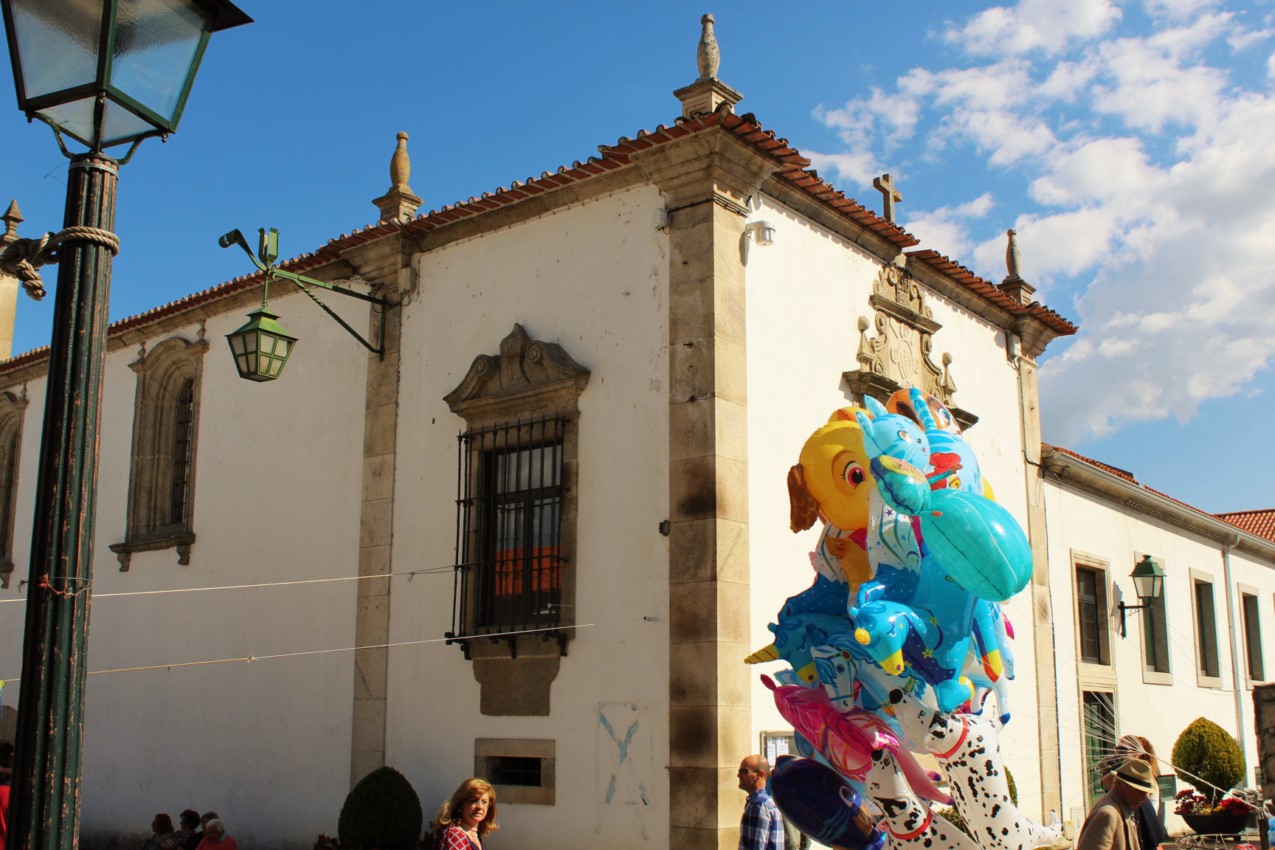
(952, 816)
(1208, 758)
(381, 812)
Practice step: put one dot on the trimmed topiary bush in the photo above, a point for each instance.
(1208, 758)
(381, 812)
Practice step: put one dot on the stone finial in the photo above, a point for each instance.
(12, 218)
(1012, 257)
(889, 195)
(1013, 285)
(400, 165)
(707, 94)
(398, 204)
(708, 56)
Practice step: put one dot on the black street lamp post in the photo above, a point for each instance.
(103, 73)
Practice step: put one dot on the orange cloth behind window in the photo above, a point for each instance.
(511, 566)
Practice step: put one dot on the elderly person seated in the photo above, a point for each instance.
(215, 837)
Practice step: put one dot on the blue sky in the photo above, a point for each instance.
(1127, 142)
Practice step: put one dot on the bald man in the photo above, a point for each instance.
(761, 828)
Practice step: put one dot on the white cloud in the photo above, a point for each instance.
(1067, 80)
(1095, 170)
(946, 229)
(1241, 39)
(989, 105)
(858, 167)
(1178, 9)
(1147, 87)
(1034, 25)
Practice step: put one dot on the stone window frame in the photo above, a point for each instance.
(12, 416)
(1254, 640)
(488, 750)
(1100, 674)
(528, 380)
(1202, 677)
(162, 373)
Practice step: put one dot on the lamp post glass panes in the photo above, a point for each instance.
(107, 72)
(101, 73)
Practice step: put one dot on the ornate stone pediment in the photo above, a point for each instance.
(497, 385)
(898, 355)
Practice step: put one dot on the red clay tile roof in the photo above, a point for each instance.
(1128, 476)
(746, 128)
(990, 292)
(1260, 523)
(1114, 470)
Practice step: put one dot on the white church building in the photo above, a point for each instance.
(533, 535)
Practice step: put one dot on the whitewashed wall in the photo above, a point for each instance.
(276, 500)
(805, 296)
(593, 279)
(1080, 523)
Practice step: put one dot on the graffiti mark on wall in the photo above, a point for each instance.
(624, 754)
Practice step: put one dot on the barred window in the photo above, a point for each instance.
(509, 527)
(183, 425)
(517, 506)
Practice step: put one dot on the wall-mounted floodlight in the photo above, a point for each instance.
(762, 232)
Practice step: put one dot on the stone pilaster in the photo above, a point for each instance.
(387, 264)
(706, 182)
(376, 537)
(1042, 602)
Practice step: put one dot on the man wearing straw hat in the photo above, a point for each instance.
(1111, 824)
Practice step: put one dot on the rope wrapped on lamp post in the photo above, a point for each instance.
(22, 258)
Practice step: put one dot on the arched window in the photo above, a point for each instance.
(165, 433)
(11, 415)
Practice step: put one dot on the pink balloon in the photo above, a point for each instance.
(846, 741)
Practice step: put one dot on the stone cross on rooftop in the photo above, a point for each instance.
(885, 185)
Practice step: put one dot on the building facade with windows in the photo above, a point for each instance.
(535, 536)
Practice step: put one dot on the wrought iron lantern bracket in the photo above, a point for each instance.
(264, 259)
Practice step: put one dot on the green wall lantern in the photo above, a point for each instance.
(124, 67)
(1148, 583)
(261, 346)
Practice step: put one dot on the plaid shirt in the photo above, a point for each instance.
(761, 827)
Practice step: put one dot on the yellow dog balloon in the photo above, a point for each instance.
(833, 482)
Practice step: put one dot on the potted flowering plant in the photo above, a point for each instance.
(1227, 816)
